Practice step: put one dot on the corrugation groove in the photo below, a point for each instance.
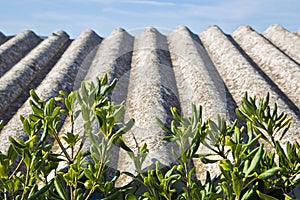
(61, 77)
(286, 41)
(283, 71)
(19, 77)
(239, 75)
(16, 48)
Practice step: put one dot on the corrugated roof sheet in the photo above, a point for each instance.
(155, 72)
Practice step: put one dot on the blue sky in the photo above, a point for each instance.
(74, 16)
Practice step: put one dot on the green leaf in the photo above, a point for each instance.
(111, 86)
(103, 79)
(26, 157)
(11, 153)
(169, 138)
(123, 145)
(26, 126)
(206, 160)
(60, 188)
(255, 160)
(17, 143)
(265, 196)
(56, 112)
(130, 197)
(226, 165)
(124, 129)
(226, 189)
(287, 197)
(195, 145)
(37, 111)
(191, 174)
(269, 173)
(45, 133)
(162, 126)
(83, 90)
(49, 107)
(62, 93)
(175, 114)
(248, 194)
(240, 114)
(88, 184)
(237, 183)
(1, 124)
(33, 190)
(129, 174)
(85, 112)
(119, 113)
(40, 191)
(34, 96)
(88, 174)
(283, 159)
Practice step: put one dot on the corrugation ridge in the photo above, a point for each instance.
(283, 71)
(198, 82)
(19, 77)
(61, 77)
(114, 58)
(285, 40)
(149, 79)
(240, 76)
(16, 48)
(2, 38)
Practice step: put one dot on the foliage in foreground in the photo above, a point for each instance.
(247, 170)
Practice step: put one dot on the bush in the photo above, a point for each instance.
(247, 170)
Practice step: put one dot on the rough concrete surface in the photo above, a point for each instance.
(155, 72)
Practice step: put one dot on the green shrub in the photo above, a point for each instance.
(247, 169)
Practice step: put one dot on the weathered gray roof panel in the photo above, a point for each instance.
(16, 48)
(240, 74)
(282, 70)
(285, 40)
(61, 77)
(155, 72)
(20, 75)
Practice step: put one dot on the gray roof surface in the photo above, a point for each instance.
(155, 72)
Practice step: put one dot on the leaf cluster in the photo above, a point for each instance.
(47, 163)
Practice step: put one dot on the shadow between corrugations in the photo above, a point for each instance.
(231, 104)
(284, 53)
(273, 85)
(121, 71)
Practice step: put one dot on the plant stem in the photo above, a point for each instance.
(62, 147)
(17, 168)
(26, 183)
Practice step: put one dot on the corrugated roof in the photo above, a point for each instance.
(155, 72)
